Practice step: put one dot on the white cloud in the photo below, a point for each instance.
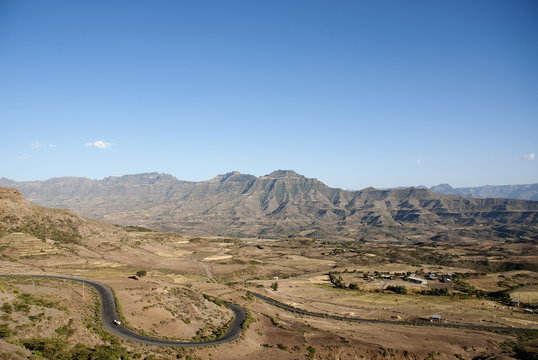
(99, 144)
(36, 145)
(527, 157)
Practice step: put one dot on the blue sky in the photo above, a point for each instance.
(354, 93)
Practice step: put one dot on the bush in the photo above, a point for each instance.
(5, 331)
(502, 296)
(214, 300)
(7, 308)
(527, 350)
(21, 307)
(141, 273)
(274, 286)
(50, 348)
(436, 292)
(398, 289)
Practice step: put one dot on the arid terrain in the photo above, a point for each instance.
(283, 204)
(183, 280)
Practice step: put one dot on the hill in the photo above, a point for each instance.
(283, 204)
(63, 226)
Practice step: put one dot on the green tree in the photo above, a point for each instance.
(274, 286)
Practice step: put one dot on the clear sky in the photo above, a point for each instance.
(354, 93)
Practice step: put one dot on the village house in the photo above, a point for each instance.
(417, 280)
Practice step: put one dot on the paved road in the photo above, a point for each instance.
(345, 318)
(109, 314)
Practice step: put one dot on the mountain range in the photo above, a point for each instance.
(523, 192)
(283, 204)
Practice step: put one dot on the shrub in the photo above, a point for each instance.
(436, 292)
(21, 307)
(49, 348)
(7, 308)
(141, 273)
(398, 289)
(5, 331)
(214, 300)
(502, 296)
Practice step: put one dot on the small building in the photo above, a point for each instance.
(432, 276)
(529, 311)
(514, 302)
(435, 318)
(417, 280)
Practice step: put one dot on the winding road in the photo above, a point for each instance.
(109, 313)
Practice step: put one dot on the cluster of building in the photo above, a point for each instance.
(517, 303)
(413, 278)
(431, 276)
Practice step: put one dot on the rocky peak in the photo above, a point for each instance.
(442, 188)
(278, 174)
(232, 176)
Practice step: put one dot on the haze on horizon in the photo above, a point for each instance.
(356, 94)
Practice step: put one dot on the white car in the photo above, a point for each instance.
(117, 322)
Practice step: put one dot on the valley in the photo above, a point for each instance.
(187, 279)
(465, 309)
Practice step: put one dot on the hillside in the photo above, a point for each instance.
(282, 204)
(522, 192)
(18, 215)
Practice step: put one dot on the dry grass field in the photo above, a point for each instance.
(168, 302)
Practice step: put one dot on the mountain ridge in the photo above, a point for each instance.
(280, 204)
(520, 191)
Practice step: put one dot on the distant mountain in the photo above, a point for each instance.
(523, 192)
(283, 204)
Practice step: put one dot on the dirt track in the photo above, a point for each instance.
(345, 318)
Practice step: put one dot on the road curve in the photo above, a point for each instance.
(109, 314)
(395, 322)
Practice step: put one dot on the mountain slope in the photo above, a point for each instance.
(281, 204)
(19, 215)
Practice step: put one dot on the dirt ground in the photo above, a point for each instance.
(169, 301)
